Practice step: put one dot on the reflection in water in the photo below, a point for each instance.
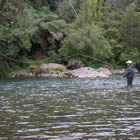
(69, 109)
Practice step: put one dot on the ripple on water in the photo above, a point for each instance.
(60, 109)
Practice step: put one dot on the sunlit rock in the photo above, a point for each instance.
(22, 74)
(104, 71)
(90, 72)
(52, 67)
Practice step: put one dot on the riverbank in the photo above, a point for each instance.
(54, 70)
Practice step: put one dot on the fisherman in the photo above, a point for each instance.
(129, 72)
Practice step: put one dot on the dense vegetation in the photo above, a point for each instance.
(41, 31)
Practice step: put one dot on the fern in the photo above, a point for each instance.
(48, 22)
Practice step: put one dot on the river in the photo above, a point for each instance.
(69, 109)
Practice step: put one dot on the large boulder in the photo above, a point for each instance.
(22, 73)
(75, 64)
(104, 70)
(47, 67)
(87, 72)
(52, 67)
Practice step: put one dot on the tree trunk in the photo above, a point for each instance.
(2, 2)
(86, 10)
(72, 7)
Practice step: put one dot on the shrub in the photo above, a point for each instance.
(130, 53)
(87, 40)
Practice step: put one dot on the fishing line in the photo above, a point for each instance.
(64, 58)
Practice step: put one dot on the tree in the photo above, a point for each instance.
(87, 40)
(2, 3)
(18, 24)
(16, 29)
(118, 4)
(130, 28)
(48, 24)
(93, 8)
(68, 9)
(38, 4)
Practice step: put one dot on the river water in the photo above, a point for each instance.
(70, 109)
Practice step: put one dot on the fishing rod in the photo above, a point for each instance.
(64, 58)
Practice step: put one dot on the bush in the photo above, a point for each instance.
(130, 53)
(130, 28)
(87, 40)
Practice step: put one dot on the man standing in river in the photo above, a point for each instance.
(129, 72)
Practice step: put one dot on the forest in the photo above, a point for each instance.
(57, 31)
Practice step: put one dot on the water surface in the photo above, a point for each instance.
(69, 109)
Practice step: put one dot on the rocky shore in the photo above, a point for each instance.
(54, 70)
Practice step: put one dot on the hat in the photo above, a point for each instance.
(129, 62)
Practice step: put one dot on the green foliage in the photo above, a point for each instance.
(68, 9)
(130, 53)
(48, 22)
(111, 23)
(124, 3)
(10, 11)
(38, 4)
(130, 28)
(119, 4)
(86, 41)
(7, 67)
(138, 6)
(121, 29)
(4, 68)
(95, 9)
(12, 40)
(16, 29)
(92, 64)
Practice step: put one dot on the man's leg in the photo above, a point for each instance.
(129, 80)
